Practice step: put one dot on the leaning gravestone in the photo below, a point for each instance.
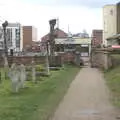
(14, 75)
(17, 74)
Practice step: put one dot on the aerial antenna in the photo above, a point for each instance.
(57, 22)
(68, 29)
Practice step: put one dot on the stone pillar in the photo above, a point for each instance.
(47, 69)
(106, 66)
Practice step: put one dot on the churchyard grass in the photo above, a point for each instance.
(37, 101)
(112, 77)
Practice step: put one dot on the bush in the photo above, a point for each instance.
(39, 68)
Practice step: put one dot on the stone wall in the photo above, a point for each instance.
(101, 59)
(67, 57)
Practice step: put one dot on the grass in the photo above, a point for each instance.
(36, 101)
(113, 80)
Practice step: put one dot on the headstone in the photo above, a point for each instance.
(33, 72)
(47, 66)
(14, 75)
(17, 74)
(22, 75)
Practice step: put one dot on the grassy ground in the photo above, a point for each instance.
(36, 101)
(113, 80)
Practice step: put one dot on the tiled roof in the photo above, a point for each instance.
(58, 32)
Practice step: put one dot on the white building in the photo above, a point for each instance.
(109, 22)
(14, 37)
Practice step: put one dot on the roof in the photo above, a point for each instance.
(73, 40)
(14, 25)
(117, 36)
(58, 32)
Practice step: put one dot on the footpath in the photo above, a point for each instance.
(87, 98)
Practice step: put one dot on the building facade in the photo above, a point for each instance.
(58, 34)
(29, 35)
(109, 22)
(14, 37)
(97, 38)
(118, 18)
(73, 44)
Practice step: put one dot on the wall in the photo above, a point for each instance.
(101, 59)
(67, 57)
(27, 60)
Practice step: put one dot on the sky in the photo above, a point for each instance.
(79, 15)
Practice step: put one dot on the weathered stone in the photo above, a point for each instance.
(17, 74)
(33, 72)
(22, 75)
(14, 76)
(47, 66)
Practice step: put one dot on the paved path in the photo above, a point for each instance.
(86, 99)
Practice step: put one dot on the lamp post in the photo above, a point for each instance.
(5, 24)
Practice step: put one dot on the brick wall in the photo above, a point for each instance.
(27, 60)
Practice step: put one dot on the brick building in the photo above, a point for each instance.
(58, 34)
(29, 35)
(97, 37)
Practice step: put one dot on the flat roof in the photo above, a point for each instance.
(117, 36)
(73, 40)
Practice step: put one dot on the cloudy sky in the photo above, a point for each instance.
(78, 14)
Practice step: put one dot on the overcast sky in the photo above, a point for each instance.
(78, 14)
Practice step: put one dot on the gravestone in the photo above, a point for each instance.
(33, 72)
(22, 75)
(47, 69)
(17, 74)
(14, 75)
